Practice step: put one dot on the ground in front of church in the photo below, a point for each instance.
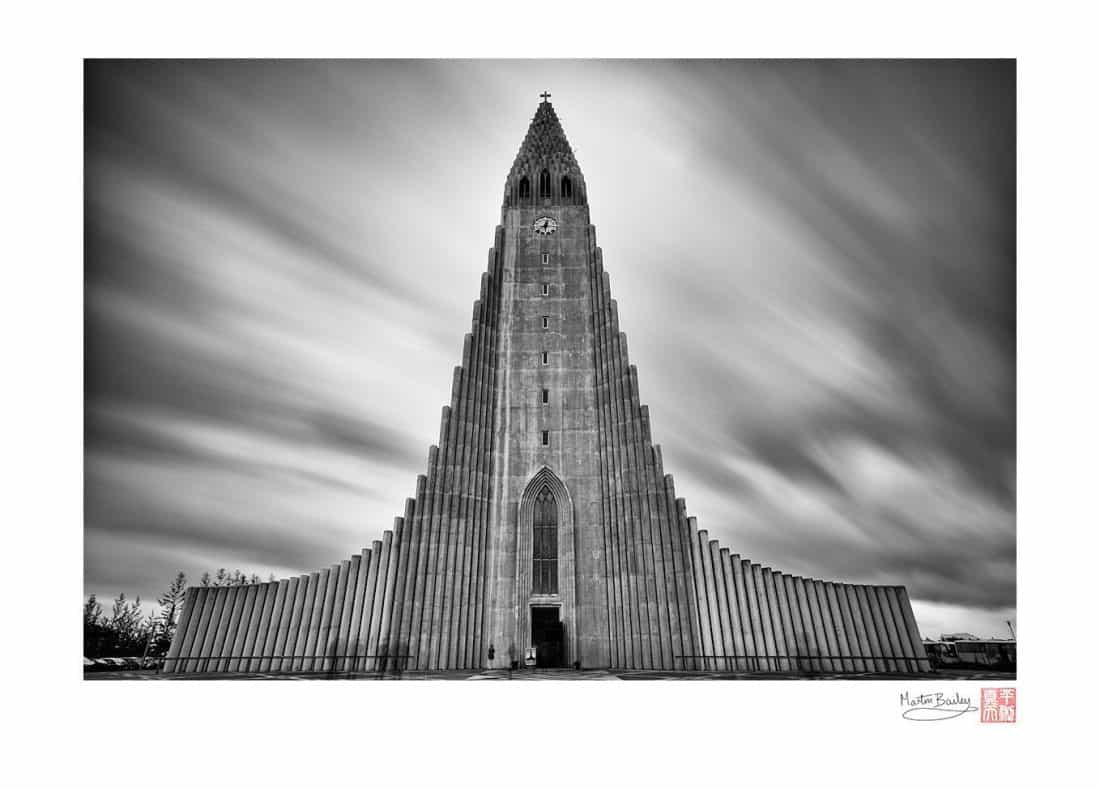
(563, 674)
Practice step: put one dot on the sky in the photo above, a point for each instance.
(814, 262)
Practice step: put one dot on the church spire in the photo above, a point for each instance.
(545, 171)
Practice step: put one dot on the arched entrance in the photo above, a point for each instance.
(546, 629)
(545, 575)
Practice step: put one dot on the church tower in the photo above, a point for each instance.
(545, 519)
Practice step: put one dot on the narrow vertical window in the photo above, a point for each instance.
(545, 395)
(546, 438)
(545, 289)
(544, 183)
(524, 188)
(544, 550)
(545, 357)
(566, 187)
(546, 321)
(546, 258)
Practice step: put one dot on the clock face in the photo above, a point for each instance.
(546, 225)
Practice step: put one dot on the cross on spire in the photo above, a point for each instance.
(544, 96)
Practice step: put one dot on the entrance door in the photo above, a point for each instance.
(546, 636)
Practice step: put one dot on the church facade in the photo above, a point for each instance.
(545, 518)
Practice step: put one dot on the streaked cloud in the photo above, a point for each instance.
(814, 262)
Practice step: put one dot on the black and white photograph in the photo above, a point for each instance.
(432, 395)
(801, 466)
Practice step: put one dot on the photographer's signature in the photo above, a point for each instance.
(934, 706)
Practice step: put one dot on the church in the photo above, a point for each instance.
(545, 527)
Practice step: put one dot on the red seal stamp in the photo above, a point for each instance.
(998, 705)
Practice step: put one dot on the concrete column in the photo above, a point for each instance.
(405, 561)
(385, 648)
(614, 603)
(849, 644)
(321, 601)
(373, 650)
(713, 634)
(876, 651)
(204, 639)
(184, 632)
(733, 600)
(453, 546)
(267, 645)
(227, 619)
(244, 624)
(667, 563)
(428, 652)
(721, 596)
(885, 648)
(679, 630)
(803, 648)
(196, 630)
(453, 638)
(444, 545)
(862, 646)
(421, 610)
(469, 655)
(638, 606)
(482, 596)
(448, 607)
(755, 619)
(786, 622)
(314, 594)
(689, 618)
(370, 594)
(888, 621)
(817, 618)
(619, 635)
(257, 630)
(352, 607)
(233, 606)
(355, 646)
(839, 630)
(630, 646)
(209, 599)
(470, 652)
(895, 629)
(744, 615)
(329, 642)
(289, 622)
(923, 663)
(655, 592)
(827, 626)
(692, 575)
(766, 624)
(448, 617)
(216, 605)
(462, 635)
(416, 548)
(814, 648)
(450, 614)
(767, 584)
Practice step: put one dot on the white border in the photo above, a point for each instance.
(612, 734)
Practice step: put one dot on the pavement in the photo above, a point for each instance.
(561, 674)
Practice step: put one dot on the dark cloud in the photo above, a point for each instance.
(815, 262)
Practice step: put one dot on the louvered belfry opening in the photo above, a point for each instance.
(544, 575)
